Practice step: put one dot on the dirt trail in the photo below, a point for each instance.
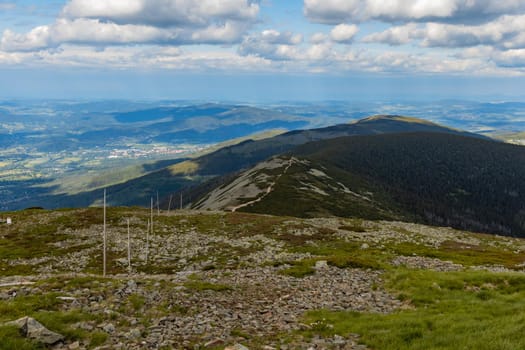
(268, 190)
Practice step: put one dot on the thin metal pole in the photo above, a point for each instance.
(105, 238)
(169, 204)
(158, 204)
(129, 250)
(181, 201)
(147, 242)
(151, 215)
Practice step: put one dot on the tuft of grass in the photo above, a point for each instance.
(197, 284)
(136, 301)
(97, 338)
(237, 332)
(298, 271)
(355, 262)
(200, 286)
(346, 254)
(10, 338)
(27, 306)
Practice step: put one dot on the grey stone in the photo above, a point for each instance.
(74, 346)
(132, 285)
(214, 342)
(236, 347)
(108, 328)
(33, 329)
(321, 264)
(134, 333)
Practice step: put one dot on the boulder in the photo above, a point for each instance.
(321, 264)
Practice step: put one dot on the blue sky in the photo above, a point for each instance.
(263, 50)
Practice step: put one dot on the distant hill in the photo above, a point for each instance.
(436, 178)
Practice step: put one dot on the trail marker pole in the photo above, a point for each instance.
(147, 242)
(129, 250)
(158, 204)
(151, 216)
(169, 205)
(104, 238)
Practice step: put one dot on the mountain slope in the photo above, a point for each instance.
(237, 157)
(434, 178)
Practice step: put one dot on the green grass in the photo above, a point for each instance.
(346, 254)
(98, 338)
(136, 301)
(468, 255)
(27, 306)
(10, 338)
(455, 310)
(46, 308)
(197, 284)
(300, 269)
(61, 322)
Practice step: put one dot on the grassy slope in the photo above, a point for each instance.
(453, 310)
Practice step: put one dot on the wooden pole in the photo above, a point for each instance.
(181, 201)
(129, 250)
(104, 238)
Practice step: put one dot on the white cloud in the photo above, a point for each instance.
(226, 33)
(506, 32)
(399, 35)
(320, 52)
(37, 38)
(510, 58)
(115, 22)
(271, 44)
(340, 11)
(344, 33)
(318, 38)
(98, 33)
(448, 36)
(163, 12)
(84, 31)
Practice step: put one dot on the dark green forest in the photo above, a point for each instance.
(442, 179)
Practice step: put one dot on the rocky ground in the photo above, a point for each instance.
(216, 280)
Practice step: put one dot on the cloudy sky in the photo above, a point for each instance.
(263, 50)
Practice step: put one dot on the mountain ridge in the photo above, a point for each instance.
(232, 159)
(432, 178)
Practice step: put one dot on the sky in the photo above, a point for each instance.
(263, 50)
